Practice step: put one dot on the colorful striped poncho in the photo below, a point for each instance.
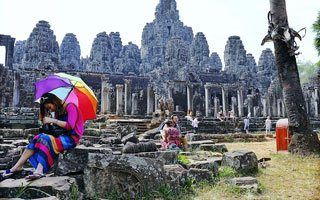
(47, 147)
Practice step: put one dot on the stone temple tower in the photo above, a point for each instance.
(70, 53)
(156, 35)
(41, 50)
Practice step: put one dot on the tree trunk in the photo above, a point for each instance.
(304, 141)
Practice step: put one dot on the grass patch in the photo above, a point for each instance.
(182, 159)
(286, 176)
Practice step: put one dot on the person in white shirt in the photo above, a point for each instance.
(268, 125)
(195, 124)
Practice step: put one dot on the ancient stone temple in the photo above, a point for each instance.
(42, 49)
(171, 68)
(70, 53)
(156, 35)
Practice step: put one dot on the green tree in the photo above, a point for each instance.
(316, 29)
(306, 71)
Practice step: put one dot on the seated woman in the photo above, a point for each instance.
(220, 116)
(44, 149)
(189, 115)
(172, 136)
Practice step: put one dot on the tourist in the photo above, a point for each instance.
(268, 125)
(175, 124)
(189, 115)
(195, 124)
(232, 116)
(172, 136)
(44, 149)
(220, 116)
(161, 129)
(225, 116)
(246, 125)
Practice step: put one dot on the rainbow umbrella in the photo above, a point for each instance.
(69, 89)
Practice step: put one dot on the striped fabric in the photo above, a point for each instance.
(47, 147)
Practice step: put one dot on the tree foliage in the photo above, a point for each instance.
(316, 29)
(306, 70)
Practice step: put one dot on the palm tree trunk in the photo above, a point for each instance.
(304, 141)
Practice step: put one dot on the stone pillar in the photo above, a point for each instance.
(16, 90)
(284, 111)
(207, 100)
(105, 98)
(156, 99)
(240, 102)
(189, 97)
(234, 105)
(127, 96)
(279, 107)
(170, 88)
(274, 106)
(316, 101)
(150, 100)
(119, 104)
(250, 104)
(264, 104)
(225, 99)
(216, 106)
(134, 104)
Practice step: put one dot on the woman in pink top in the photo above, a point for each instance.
(44, 149)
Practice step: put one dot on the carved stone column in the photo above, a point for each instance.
(315, 102)
(127, 96)
(189, 97)
(150, 100)
(134, 104)
(274, 106)
(264, 104)
(16, 90)
(207, 100)
(225, 99)
(234, 105)
(216, 106)
(170, 88)
(156, 99)
(250, 104)
(240, 102)
(119, 105)
(279, 107)
(105, 98)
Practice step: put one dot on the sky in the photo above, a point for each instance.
(217, 19)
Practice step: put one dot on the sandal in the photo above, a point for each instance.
(34, 176)
(9, 174)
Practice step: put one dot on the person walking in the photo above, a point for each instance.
(268, 125)
(246, 125)
(195, 124)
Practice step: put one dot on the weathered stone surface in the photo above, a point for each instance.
(199, 174)
(193, 145)
(212, 164)
(12, 133)
(234, 54)
(70, 53)
(199, 52)
(130, 138)
(243, 182)
(139, 147)
(243, 161)
(167, 157)
(42, 49)
(156, 35)
(130, 176)
(129, 60)
(175, 175)
(101, 54)
(221, 148)
(215, 62)
(61, 186)
(75, 160)
(116, 44)
(18, 51)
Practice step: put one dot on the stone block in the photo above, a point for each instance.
(243, 182)
(199, 174)
(131, 137)
(167, 157)
(129, 175)
(243, 161)
(55, 186)
(221, 148)
(75, 160)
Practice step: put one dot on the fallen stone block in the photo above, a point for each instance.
(54, 186)
(243, 182)
(221, 148)
(243, 161)
(129, 175)
(167, 157)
